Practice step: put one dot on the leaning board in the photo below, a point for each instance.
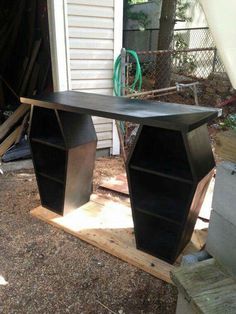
(108, 225)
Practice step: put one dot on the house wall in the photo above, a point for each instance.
(91, 43)
(92, 39)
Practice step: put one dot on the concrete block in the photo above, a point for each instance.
(221, 241)
(224, 196)
(16, 165)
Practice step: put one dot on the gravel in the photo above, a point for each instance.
(45, 270)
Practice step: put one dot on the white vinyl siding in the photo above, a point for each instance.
(91, 54)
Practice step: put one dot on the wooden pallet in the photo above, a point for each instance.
(205, 287)
(108, 225)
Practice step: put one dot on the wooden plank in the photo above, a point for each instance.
(107, 225)
(22, 128)
(207, 287)
(118, 184)
(33, 58)
(225, 146)
(13, 119)
(205, 211)
(9, 141)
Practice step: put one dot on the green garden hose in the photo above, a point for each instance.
(118, 84)
(117, 74)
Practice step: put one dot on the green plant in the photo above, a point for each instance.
(139, 16)
(182, 7)
(229, 122)
(184, 62)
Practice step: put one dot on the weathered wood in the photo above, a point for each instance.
(13, 119)
(22, 128)
(207, 287)
(9, 141)
(31, 63)
(225, 146)
(108, 225)
(118, 184)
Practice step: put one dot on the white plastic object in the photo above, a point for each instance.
(221, 18)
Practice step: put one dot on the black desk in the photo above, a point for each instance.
(168, 169)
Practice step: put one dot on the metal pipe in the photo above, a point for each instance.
(160, 90)
(175, 51)
(175, 30)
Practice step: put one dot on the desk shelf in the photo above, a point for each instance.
(160, 196)
(162, 151)
(51, 193)
(156, 236)
(45, 127)
(166, 186)
(63, 146)
(49, 160)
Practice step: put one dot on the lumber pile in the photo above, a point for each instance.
(31, 82)
(25, 67)
(13, 128)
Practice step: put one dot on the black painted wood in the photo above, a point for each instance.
(63, 147)
(168, 168)
(168, 173)
(153, 113)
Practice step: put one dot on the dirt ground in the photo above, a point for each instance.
(45, 270)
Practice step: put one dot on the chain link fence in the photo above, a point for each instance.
(193, 56)
(192, 63)
(198, 37)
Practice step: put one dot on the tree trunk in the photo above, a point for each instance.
(166, 33)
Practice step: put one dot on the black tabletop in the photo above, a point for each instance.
(153, 113)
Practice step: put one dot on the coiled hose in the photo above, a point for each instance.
(137, 83)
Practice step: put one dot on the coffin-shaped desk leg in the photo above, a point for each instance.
(63, 146)
(168, 175)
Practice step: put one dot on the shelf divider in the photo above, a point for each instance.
(49, 177)
(158, 216)
(161, 174)
(47, 142)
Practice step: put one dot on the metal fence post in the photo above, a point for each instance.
(123, 68)
(214, 60)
